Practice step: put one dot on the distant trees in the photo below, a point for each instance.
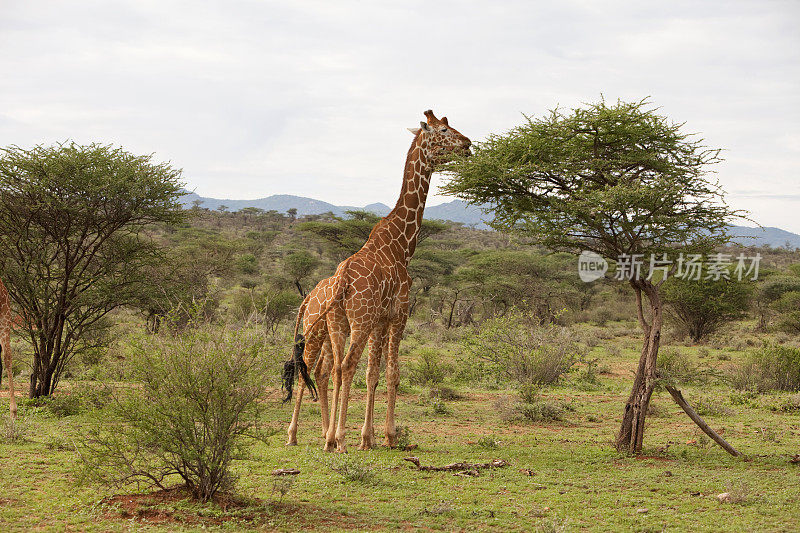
(345, 236)
(299, 265)
(71, 221)
(779, 295)
(702, 306)
(180, 282)
(616, 180)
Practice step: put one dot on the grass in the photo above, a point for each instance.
(579, 483)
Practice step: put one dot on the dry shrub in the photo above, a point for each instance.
(531, 355)
(675, 367)
(773, 367)
(190, 415)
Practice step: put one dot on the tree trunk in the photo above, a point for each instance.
(44, 368)
(697, 419)
(631, 433)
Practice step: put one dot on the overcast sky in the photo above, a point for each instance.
(254, 98)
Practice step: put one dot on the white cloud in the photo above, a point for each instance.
(313, 97)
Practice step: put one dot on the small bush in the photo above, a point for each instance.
(445, 393)
(352, 467)
(530, 354)
(65, 404)
(745, 398)
(506, 408)
(283, 484)
(189, 416)
(427, 369)
(773, 367)
(511, 409)
(55, 442)
(614, 350)
(710, 407)
(675, 367)
(488, 442)
(403, 437)
(790, 404)
(12, 431)
(543, 411)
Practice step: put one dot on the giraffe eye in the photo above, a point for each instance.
(444, 130)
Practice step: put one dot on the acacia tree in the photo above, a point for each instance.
(70, 229)
(298, 265)
(611, 179)
(701, 307)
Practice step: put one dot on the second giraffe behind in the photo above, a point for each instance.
(367, 298)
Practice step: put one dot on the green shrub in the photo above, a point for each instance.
(701, 307)
(488, 442)
(542, 411)
(12, 431)
(445, 393)
(427, 369)
(403, 437)
(530, 354)
(674, 367)
(352, 467)
(65, 404)
(710, 407)
(77, 400)
(438, 407)
(773, 367)
(511, 409)
(268, 306)
(790, 404)
(189, 414)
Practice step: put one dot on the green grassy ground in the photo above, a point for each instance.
(579, 481)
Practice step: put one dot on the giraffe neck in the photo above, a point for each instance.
(405, 220)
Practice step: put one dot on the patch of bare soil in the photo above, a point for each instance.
(176, 506)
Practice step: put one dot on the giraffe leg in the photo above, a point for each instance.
(376, 347)
(5, 347)
(358, 340)
(392, 382)
(337, 328)
(312, 349)
(322, 375)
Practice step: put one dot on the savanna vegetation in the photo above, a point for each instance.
(166, 413)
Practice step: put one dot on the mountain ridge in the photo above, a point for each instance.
(454, 211)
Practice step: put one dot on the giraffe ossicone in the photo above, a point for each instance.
(367, 300)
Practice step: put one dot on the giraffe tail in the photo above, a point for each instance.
(296, 362)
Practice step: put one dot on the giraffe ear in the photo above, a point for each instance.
(444, 121)
(424, 125)
(413, 131)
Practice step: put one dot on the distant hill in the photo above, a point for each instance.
(454, 211)
(775, 237)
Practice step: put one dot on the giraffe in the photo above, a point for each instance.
(367, 298)
(316, 341)
(6, 323)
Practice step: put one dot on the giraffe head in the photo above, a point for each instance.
(440, 139)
